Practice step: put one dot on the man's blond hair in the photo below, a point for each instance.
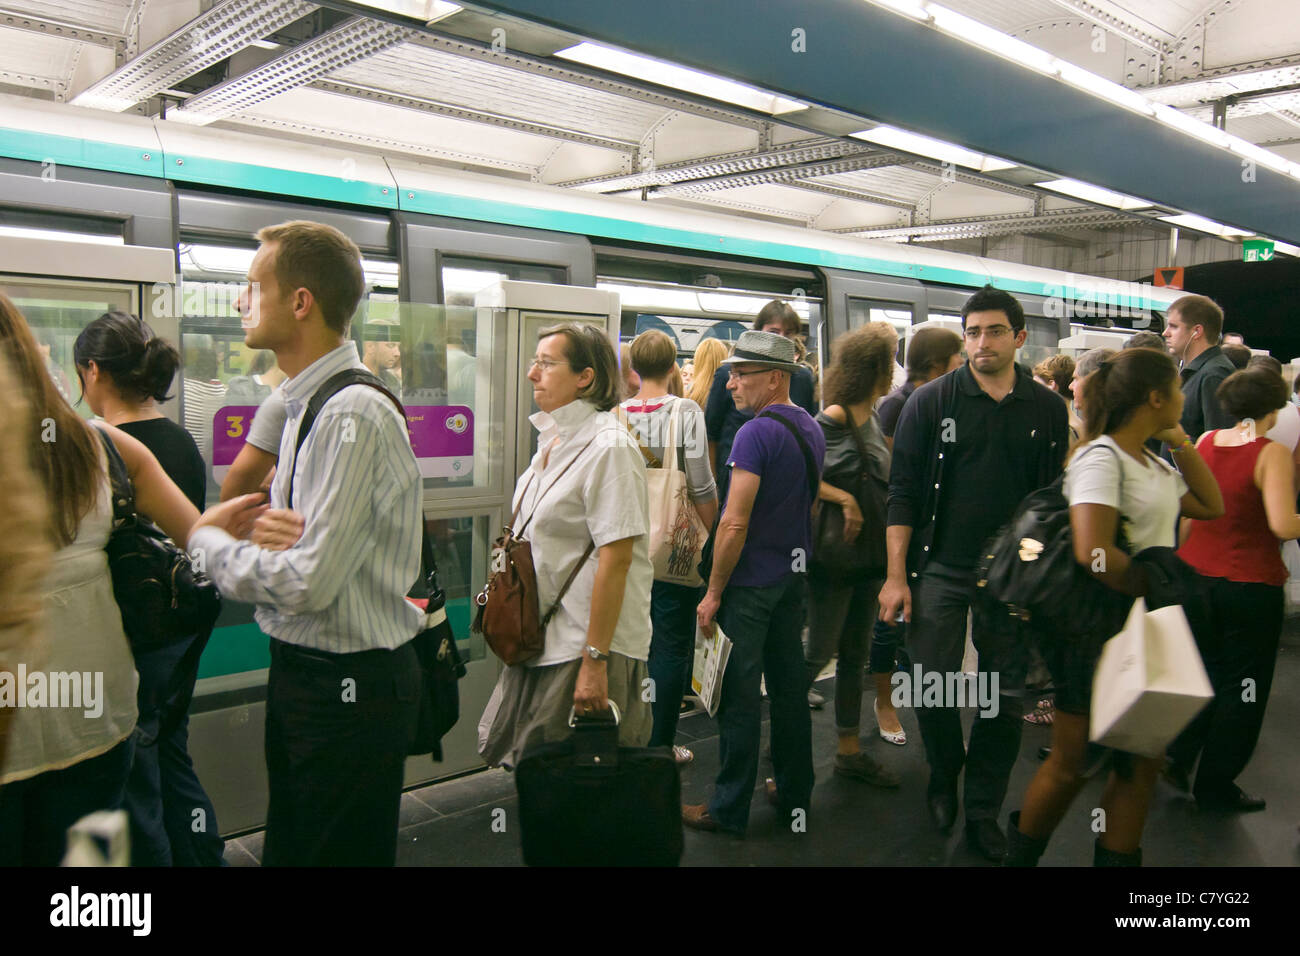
(322, 260)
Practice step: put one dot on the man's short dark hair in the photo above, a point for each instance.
(1238, 355)
(1203, 311)
(989, 299)
(1147, 340)
(931, 349)
(778, 310)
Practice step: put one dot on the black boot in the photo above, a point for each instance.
(1021, 850)
(1104, 857)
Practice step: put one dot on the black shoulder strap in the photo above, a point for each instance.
(329, 388)
(121, 491)
(814, 475)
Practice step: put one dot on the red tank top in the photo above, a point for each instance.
(1239, 546)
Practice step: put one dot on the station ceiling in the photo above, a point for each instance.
(512, 88)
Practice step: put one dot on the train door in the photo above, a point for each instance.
(61, 285)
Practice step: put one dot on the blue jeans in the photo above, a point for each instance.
(764, 626)
(173, 822)
(35, 813)
(672, 652)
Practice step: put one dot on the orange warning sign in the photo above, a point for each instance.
(1171, 278)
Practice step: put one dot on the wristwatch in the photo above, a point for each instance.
(596, 655)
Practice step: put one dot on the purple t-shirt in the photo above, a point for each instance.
(779, 540)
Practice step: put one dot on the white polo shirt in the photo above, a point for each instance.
(602, 498)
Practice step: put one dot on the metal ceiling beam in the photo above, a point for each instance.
(61, 29)
(785, 174)
(974, 179)
(724, 164)
(976, 227)
(1151, 38)
(857, 195)
(348, 42)
(206, 40)
(591, 79)
(423, 105)
(940, 86)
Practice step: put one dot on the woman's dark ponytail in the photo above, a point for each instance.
(1121, 385)
(140, 365)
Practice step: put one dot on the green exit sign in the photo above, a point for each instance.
(1257, 250)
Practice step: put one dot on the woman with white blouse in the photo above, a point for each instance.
(585, 489)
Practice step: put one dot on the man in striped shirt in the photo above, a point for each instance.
(330, 576)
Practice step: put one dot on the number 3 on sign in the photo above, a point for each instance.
(235, 426)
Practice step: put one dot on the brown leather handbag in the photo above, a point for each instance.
(508, 607)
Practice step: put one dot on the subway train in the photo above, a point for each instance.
(100, 212)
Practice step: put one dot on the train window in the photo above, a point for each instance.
(464, 278)
(689, 315)
(57, 312)
(1041, 342)
(460, 548)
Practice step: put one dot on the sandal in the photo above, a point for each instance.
(1044, 714)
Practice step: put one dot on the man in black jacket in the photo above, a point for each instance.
(1193, 324)
(968, 447)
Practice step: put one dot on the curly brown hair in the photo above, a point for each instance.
(862, 365)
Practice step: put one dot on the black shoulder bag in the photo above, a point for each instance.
(835, 558)
(435, 645)
(1030, 569)
(161, 596)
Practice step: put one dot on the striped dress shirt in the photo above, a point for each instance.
(342, 588)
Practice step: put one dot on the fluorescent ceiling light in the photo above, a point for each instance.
(1193, 127)
(1096, 85)
(21, 232)
(429, 11)
(1095, 194)
(265, 44)
(1262, 156)
(895, 138)
(1286, 248)
(1202, 224)
(680, 78)
(910, 8)
(993, 40)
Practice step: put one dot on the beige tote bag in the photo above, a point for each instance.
(677, 534)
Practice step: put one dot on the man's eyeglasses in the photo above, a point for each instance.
(994, 332)
(732, 374)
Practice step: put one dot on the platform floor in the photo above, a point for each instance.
(450, 823)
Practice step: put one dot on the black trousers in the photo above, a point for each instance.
(936, 642)
(1239, 647)
(337, 730)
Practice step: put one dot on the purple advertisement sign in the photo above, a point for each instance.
(229, 431)
(442, 437)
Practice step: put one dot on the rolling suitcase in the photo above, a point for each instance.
(586, 801)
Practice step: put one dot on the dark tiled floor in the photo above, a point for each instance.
(473, 820)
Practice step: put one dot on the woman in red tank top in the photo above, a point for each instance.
(1239, 558)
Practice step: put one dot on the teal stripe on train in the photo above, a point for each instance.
(39, 147)
(234, 650)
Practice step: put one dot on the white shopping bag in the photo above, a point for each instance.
(711, 654)
(1149, 683)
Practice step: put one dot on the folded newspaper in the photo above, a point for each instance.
(711, 654)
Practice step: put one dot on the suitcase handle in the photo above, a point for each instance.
(573, 715)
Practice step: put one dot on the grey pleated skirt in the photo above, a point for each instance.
(530, 705)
